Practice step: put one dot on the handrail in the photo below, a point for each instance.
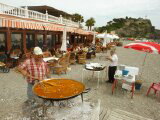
(25, 13)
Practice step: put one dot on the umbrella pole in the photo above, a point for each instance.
(143, 65)
(144, 59)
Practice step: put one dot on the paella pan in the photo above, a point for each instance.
(59, 89)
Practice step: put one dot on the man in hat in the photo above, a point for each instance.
(113, 65)
(35, 70)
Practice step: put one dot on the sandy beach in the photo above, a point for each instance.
(13, 87)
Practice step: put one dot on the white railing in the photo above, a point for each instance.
(36, 15)
(53, 19)
(10, 10)
(25, 13)
(70, 23)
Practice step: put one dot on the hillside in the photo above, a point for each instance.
(129, 27)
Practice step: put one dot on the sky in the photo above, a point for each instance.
(101, 10)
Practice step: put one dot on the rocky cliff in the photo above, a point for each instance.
(136, 28)
(129, 27)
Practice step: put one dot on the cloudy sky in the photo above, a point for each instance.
(102, 10)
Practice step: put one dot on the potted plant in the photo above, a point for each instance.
(138, 84)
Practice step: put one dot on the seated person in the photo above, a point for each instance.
(85, 49)
(58, 53)
(47, 53)
(3, 58)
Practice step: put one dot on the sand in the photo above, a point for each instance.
(13, 88)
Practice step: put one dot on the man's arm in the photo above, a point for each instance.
(109, 58)
(48, 73)
(26, 74)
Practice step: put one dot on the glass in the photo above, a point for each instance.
(40, 41)
(16, 41)
(2, 42)
(30, 42)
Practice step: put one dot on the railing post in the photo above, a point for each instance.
(61, 19)
(1, 8)
(46, 15)
(26, 12)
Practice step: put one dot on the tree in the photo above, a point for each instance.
(90, 22)
(77, 18)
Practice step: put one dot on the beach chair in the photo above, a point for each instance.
(4, 68)
(72, 59)
(62, 65)
(155, 87)
(47, 54)
(3, 64)
(82, 58)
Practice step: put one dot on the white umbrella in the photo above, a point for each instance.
(101, 35)
(107, 38)
(115, 37)
(64, 40)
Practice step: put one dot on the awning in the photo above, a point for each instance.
(53, 27)
(36, 25)
(21, 24)
(81, 31)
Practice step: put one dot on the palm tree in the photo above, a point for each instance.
(77, 18)
(90, 22)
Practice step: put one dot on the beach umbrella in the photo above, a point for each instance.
(64, 40)
(106, 38)
(101, 35)
(115, 36)
(148, 47)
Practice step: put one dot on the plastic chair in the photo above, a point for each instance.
(155, 87)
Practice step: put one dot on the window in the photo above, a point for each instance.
(16, 41)
(49, 41)
(40, 40)
(30, 42)
(2, 42)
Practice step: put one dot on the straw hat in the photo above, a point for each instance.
(37, 51)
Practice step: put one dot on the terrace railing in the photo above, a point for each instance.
(25, 13)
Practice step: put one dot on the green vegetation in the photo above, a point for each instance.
(90, 22)
(128, 27)
(77, 18)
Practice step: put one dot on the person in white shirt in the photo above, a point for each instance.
(113, 65)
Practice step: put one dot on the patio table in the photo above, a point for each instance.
(50, 58)
(130, 78)
(90, 67)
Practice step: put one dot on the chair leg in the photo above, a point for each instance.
(155, 91)
(132, 90)
(149, 91)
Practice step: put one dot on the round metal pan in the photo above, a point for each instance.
(59, 89)
(95, 69)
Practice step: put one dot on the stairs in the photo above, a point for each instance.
(117, 114)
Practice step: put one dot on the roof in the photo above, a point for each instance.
(51, 11)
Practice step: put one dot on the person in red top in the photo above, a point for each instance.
(35, 70)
